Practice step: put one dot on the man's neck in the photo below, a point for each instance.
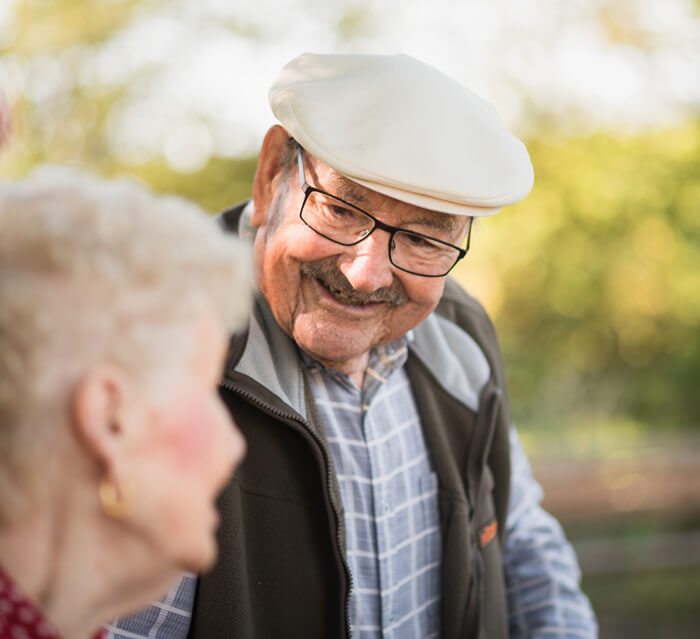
(354, 368)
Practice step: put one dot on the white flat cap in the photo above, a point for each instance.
(402, 128)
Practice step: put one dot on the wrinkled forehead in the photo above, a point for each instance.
(324, 177)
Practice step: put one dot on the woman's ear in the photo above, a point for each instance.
(98, 408)
(268, 172)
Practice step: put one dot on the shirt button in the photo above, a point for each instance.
(387, 507)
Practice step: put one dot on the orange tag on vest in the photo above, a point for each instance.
(488, 532)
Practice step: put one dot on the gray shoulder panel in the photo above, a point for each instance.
(453, 357)
(271, 359)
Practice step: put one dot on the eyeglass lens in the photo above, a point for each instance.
(338, 221)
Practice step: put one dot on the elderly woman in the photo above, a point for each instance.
(115, 312)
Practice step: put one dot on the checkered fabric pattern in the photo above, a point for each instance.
(389, 492)
(168, 618)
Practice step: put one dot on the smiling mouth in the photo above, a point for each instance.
(343, 296)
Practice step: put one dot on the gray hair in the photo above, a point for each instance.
(94, 270)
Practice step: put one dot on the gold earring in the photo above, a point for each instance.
(116, 502)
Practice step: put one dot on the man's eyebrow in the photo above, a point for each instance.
(437, 221)
(349, 192)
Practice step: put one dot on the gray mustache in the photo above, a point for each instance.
(331, 277)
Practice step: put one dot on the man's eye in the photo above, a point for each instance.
(340, 211)
(418, 242)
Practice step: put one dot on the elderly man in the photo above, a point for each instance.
(385, 493)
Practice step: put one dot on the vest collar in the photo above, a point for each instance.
(271, 358)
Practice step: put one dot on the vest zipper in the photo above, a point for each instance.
(340, 525)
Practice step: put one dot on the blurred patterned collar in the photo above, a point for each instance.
(19, 617)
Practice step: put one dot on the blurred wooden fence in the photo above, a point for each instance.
(660, 486)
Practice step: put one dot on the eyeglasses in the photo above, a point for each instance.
(346, 224)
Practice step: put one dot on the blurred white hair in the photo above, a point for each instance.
(94, 270)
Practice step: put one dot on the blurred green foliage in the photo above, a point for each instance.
(221, 183)
(594, 280)
(56, 24)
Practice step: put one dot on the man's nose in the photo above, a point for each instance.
(366, 265)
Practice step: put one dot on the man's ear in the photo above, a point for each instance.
(268, 172)
(98, 411)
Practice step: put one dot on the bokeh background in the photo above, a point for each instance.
(593, 281)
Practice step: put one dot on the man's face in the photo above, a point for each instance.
(338, 302)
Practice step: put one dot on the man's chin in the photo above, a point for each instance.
(337, 349)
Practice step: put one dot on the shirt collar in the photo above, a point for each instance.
(383, 360)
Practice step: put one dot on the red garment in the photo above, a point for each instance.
(21, 619)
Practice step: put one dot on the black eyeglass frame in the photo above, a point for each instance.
(307, 189)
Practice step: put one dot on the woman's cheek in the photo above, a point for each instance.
(191, 438)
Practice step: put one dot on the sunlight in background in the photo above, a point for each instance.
(195, 73)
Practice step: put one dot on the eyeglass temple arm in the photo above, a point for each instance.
(302, 178)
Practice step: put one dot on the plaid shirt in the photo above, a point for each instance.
(168, 618)
(389, 492)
